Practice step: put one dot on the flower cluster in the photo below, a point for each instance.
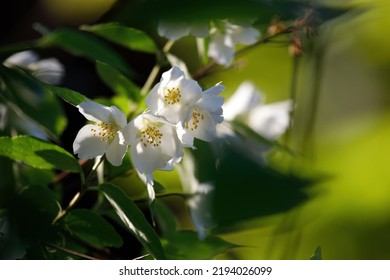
(179, 111)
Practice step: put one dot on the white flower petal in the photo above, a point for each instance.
(173, 30)
(210, 100)
(95, 112)
(221, 49)
(270, 120)
(242, 101)
(21, 59)
(88, 146)
(118, 116)
(148, 159)
(175, 61)
(187, 92)
(190, 91)
(245, 35)
(116, 151)
(170, 144)
(48, 70)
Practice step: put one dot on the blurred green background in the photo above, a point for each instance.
(349, 213)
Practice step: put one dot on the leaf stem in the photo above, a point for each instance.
(155, 70)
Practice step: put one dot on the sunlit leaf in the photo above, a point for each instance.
(38, 153)
(70, 96)
(128, 37)
(134, 220)
(92, 228)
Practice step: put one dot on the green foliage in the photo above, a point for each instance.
(134, 220)
(70, 96)
(92, 228)
(262, 10)
(38, 153)
(118, 83)
(185, 245)
(28, 98)
(83, 44)
(128, 37)
(317, 254)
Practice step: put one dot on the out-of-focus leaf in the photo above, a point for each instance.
(119, 84)
(35, 176)
(72, 97)
(84, 44)
(186, 245)
(128, 37)
(31, 98)
(134, 220)
(203, 10)
(245, 189)
(32, 212)
(92, 228)
(38, 153)
(317, 254)
(164, 218)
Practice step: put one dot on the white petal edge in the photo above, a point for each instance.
(116, 151)
(93, 111)
(88, 146)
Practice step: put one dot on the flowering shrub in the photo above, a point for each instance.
(85, 202)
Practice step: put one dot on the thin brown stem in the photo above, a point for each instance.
(71, 252)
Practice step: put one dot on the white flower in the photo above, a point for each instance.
(224, 39)
(154, 143)
(175, 30)
(49, 70)
(174, 96)
(206, 114)
(268, 120)
(104, 136)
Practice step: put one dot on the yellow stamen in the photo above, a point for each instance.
(106, 131)
(172, 95)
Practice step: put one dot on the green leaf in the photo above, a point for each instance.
(92, 228)
(84, 44)
(29, 98)
(72, 97)
(131, 38)
(38, 153)
(186, 245)
(317, 254)
(134, 220)
(118, 83)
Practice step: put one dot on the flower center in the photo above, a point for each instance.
(106, 131)
(193, 123)
(172, 95)
(151, 135)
